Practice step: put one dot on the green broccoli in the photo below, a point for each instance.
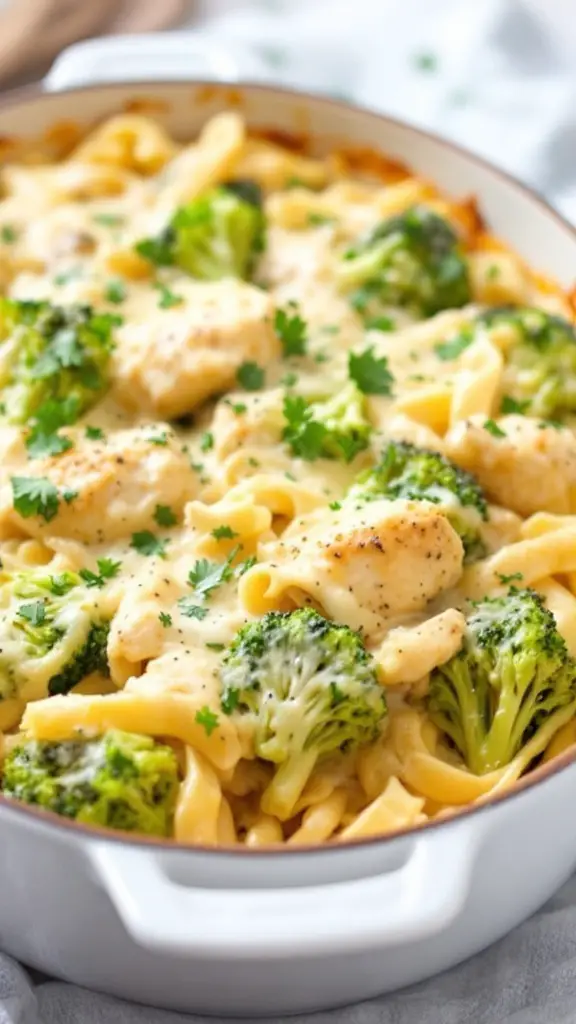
(53, 633)
(333, 428)
(120, 781)
(511, 674)
(308, 687)
(540, 372)
(54, 361)
(412, 260)
(417, 474)
(218, 235)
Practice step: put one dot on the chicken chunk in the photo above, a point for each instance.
(109, 489)
(170, 360)
(530, 469)
(366, 567)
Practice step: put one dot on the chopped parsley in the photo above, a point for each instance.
(165, 619)
(168, 298)
(494, 429)
(8, 234)
(35, 496)
(319, 219)
(164, 516)
(159, 439)
(145, 543)
(115, 291)
(68, 275)
(515, 577)
(238, 407)
(335, 506)
(426, 61)
(40, 444)
(370, 373)
(206, 718)
(291, 330)
(206, 576)
(511, 405)
(108, 220)
(206, 441)
(493, 272)
(68, 494)
(289, 380)
(94, 434)
(191, 610)
(224, 532)
(250, 376)
(447, 350)
(304, 435)
(214, 646)
(107, 570)
(380, 323)
(33, 612)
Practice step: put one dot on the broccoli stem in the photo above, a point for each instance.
(282, 793)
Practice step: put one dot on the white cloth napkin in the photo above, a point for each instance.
(500, 77)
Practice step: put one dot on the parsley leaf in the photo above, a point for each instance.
(34, 612)
(35, 496)
(145, 543)
(447, 350)
(292, 330)
(230, 702)
(380, 323)
(115, 291)
(8, 234)
(369, 373)
(165, 619)
(206, 576)
(191, 610)
(208, 719)
(426, 62)
(319, 219)
(68, 494)
(159, 439)
(335, 505)
(107, 570)
(94, 434)
(513, 578)
(510, 404)
(250, 376)
(164, 516)
(224, 532)
(108, 220)
(39, 444)
(214, 646)
(304, 435)
(167, 298)
(206, 441)
(493, 428)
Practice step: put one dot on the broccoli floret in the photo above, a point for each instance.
(120, 780)
(54, 361)
(218, 235)
(412, 260)
(334, 428)
(308, 688)
(540, 371)
(511, 674)
(53, 633)
(412, 473)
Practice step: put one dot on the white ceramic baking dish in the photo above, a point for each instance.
(248, 933)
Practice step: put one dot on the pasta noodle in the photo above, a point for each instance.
(232, 368)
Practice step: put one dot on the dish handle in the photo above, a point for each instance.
(418, 899)
(157, 56)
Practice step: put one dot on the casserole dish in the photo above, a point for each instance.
(258, 933)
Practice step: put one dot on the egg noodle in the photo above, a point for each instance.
(194, 494)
